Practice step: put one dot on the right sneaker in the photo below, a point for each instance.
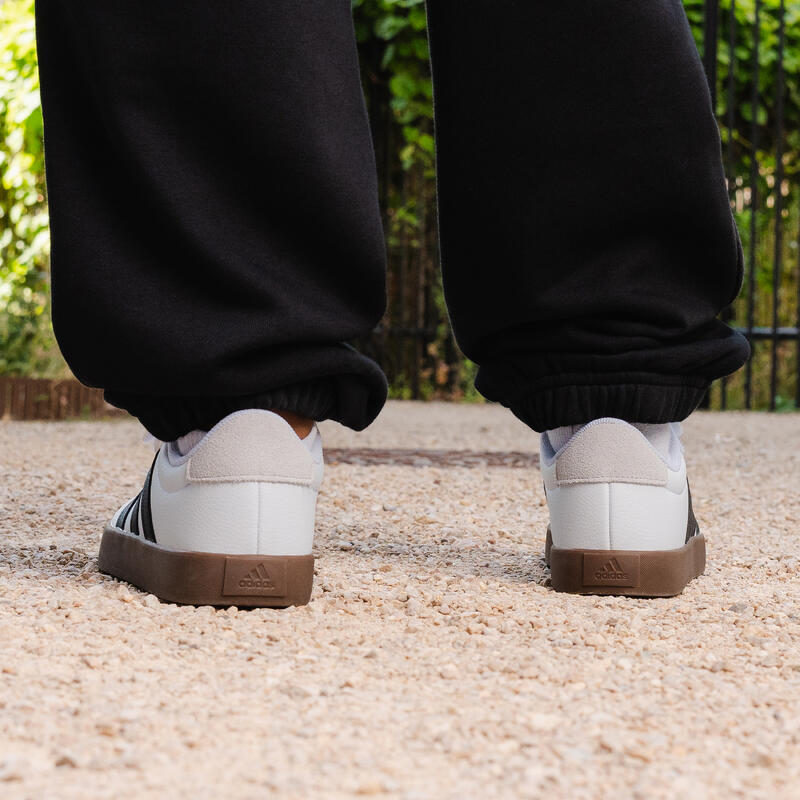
(229, 523)
(621, 519)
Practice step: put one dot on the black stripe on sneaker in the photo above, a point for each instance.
(123, 515)
(692, 528)
(147, 513)
(135, 515)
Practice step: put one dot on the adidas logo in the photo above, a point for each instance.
(611, 571)
(257, 578)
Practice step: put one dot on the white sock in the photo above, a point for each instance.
(184, 444)
(560, 436)
(659, 436)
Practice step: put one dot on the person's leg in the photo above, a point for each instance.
(587, 242)
(215, 226)
(587, 247)
(216, 239)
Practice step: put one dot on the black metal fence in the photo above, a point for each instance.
(722, 41)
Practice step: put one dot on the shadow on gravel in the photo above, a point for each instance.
(401, 457)
(47, 561)
(501, 563)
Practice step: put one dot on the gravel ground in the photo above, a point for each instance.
(433, 660)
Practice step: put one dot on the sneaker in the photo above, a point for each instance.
(231, 522)
(621, 519)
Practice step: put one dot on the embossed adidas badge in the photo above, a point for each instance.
(250, 576)
(257, 578)
(619, 570)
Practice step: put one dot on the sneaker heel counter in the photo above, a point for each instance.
(286, 515)
(579, 517)
(209, 517)
(647, 517)
(617, 516)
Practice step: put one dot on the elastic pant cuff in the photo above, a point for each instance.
(353, 400)
(634, 398)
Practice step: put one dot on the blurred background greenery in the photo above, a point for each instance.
(414, 343)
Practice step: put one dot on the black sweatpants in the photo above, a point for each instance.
(216, 237)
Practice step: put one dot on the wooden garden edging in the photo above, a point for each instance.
(38, 398)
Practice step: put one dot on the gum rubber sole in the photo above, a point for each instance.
(212, 579)
(634, 573)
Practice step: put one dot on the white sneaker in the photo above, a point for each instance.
(621, 519)
(229, 523)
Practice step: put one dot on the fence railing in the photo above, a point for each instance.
(722, 35)
(39, 398)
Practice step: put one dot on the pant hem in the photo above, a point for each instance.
(353, 400)
(649, 398)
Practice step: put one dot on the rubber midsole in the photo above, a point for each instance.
(217, 579)
(641, 573)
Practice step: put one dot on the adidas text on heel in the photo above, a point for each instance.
(621, 519)
(231, 522)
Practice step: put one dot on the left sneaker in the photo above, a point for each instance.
(231, 522)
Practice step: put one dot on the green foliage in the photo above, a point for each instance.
(393, 45)
(392, 37)
(401, 26)
(25, 332)
(743, 58)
